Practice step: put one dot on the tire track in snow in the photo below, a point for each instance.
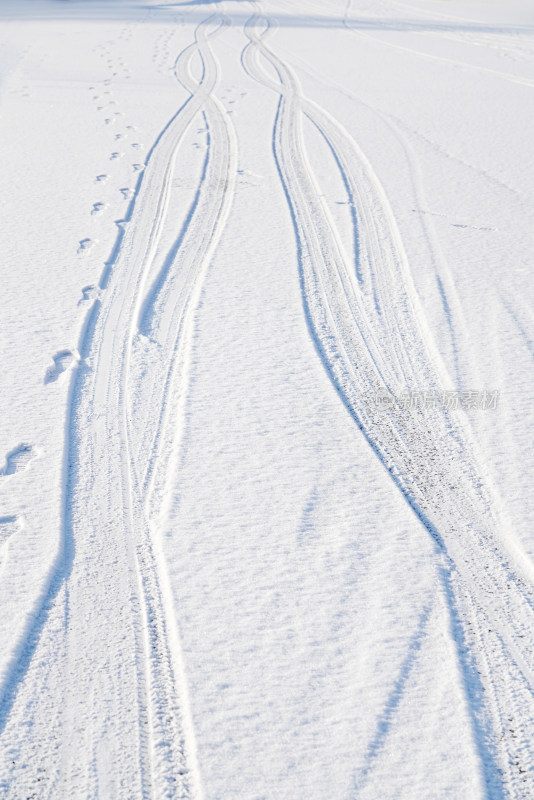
(396, 124)
(459, 336)
(372, 337)
(165, 316)
(166, 754)
(116, 675)
(166, 313)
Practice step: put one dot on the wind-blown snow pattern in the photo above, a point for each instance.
(265, 527)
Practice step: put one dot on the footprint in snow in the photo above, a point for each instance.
(126, 193)
(114, 156)
(89, 293)
(85, 245)
(97, 208)
(471, 227)
(101, 178)
(17, 459)
(62, 361)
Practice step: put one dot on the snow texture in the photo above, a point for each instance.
(267, 404)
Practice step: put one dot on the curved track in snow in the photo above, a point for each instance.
(97, 692)
(472, 39)
(118, 681)
(167, 751)
(369, 329)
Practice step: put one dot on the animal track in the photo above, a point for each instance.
(472, 227)
(101, 178)
(85, 244)
(137, 167)
(114, 156)
(97, 208)
(17, 459)
(126, 193)
(62, 361)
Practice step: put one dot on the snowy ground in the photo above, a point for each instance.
(253, 255)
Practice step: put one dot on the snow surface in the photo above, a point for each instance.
(226, 570)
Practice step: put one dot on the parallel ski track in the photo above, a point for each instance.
(370, 332)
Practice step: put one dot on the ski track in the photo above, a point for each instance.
(506, 43)
(119, 681)
(507, 76)
(358, 310)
